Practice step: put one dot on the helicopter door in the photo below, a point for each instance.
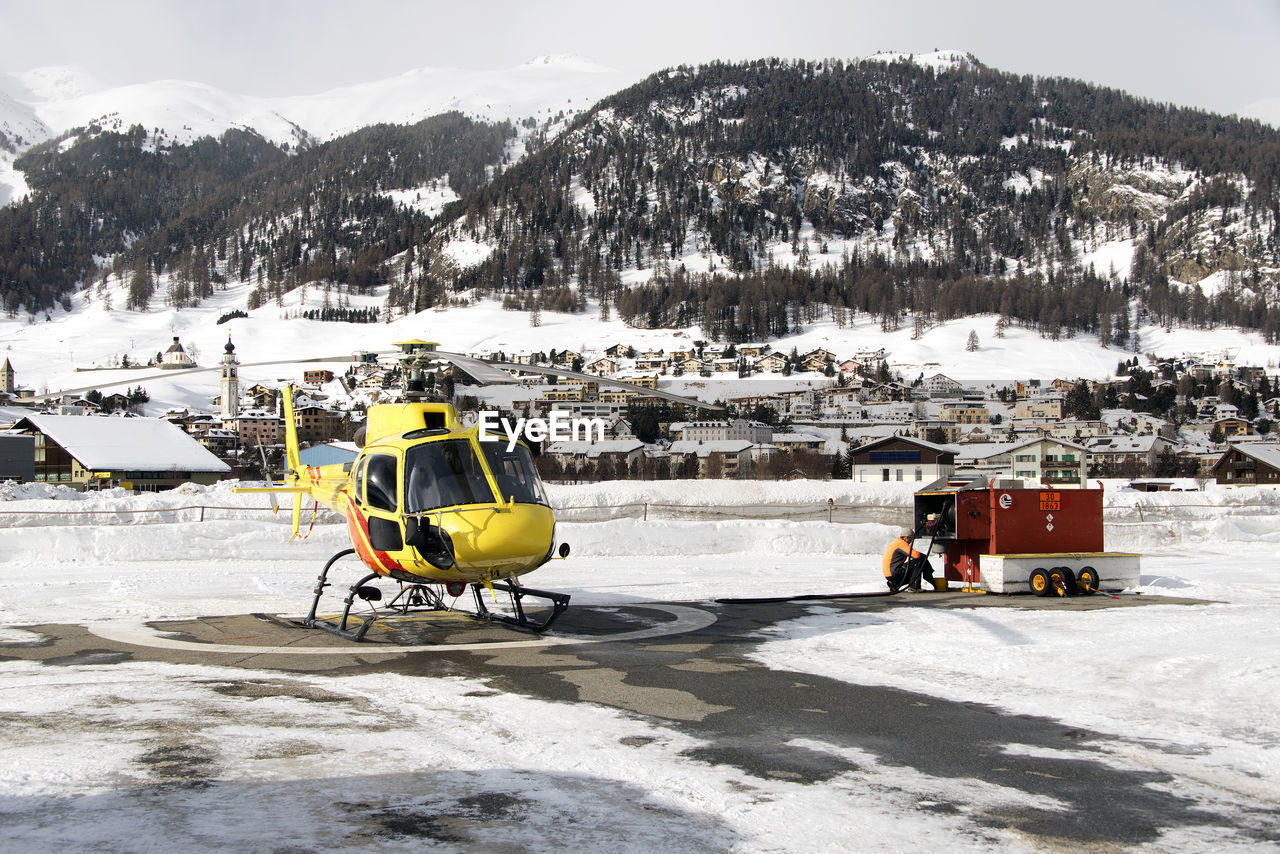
(379, 485)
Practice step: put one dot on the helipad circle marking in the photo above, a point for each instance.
(686, 620)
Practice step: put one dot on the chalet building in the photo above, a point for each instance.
(618, 428)
(574, 456)
(553, 395)
(1052, 462)
(1124, 455)
(319, 376)
(798, 442)
(262, 397)
(723, 458)
(590, 409)
(799, 404)
(816, 363)
(95, 452)
(1062, 387)
(115, 401)
(748, 404)
(1234, 426)
(1251, 374)
(316, 424)
(692, 366)
(642, 382)
(565, 358)
(902, 458)
(936, 430)
(739, 429)
(1077, 429)
(885, 392)
(617, 396)
(965, 413)
(219, 441)
(774, 363)
(1249, 464)
(1046, 407)
(590, 388)
(941, 385)
(602, 366)
(257, 427)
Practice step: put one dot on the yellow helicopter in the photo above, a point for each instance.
(427, 502)
(430, 505)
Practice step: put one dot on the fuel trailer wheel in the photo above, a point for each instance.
(1063, 580)
(1087, 581)
(1039, 582)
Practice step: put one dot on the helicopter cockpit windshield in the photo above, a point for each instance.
(515, 473)
(444, 474)
(447, 473)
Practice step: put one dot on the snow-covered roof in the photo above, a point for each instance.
(138, 444)
(1123, 444)
(932, 446)
(595, 449)
(719, 446)
(1263, 452)
(796, 438)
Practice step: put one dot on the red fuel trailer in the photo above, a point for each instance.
(1006, 538)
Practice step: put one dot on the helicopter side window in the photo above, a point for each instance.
(444, 474)
(515, 473)
(380, 482)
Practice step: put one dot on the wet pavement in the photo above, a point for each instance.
(689, 666)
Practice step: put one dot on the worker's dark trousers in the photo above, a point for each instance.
(910, 573)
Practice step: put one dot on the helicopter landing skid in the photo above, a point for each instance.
(414, 596)
(518, 618)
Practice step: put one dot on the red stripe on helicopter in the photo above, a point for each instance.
(358, 527)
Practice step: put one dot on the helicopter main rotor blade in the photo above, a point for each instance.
(175, 374)
(485, 373)
(642, 390)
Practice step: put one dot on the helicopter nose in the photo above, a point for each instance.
(509, 542)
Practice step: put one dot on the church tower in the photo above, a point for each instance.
(230, 382)
(7, 383)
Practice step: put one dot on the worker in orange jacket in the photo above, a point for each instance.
(904, 566)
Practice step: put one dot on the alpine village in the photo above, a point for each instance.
(782, 238)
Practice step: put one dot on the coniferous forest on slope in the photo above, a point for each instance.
(902, 192)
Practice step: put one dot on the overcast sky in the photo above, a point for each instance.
(1218, 55)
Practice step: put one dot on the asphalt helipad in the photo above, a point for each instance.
(689, 665)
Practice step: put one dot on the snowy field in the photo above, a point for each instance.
(298, 762)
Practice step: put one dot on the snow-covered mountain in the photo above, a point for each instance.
(63, 98)
(49, 102)
(902, 202)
